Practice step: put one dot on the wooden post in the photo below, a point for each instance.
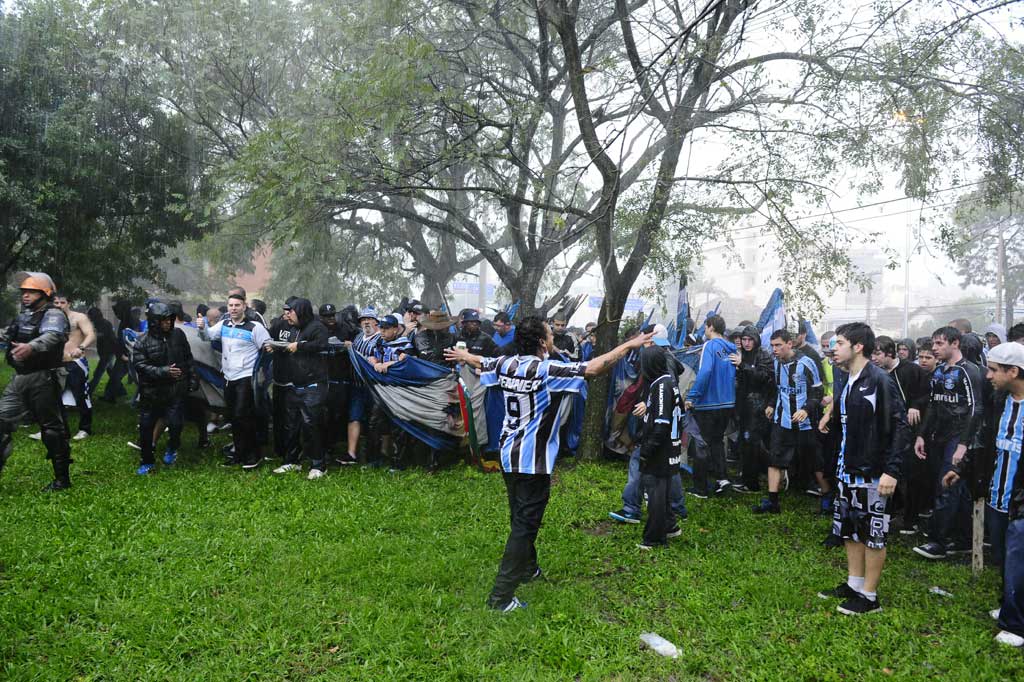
(978, 546)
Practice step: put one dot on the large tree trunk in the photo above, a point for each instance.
(597, 392)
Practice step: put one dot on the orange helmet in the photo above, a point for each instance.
(36, 281)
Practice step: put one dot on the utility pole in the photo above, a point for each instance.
(906, 282)
(482, 297)
(1000, 275)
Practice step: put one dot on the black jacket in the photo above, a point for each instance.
(429, 344)
(308, 364)
(659, 452)
(480, 344)
(280, 330)
(754, 385)
(914, 384)
(955, 410)
(877, 433)
(152, 358)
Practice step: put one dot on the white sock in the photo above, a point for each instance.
(871, 596)
(856, 582)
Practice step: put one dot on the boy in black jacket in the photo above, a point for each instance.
(872, 420)
(162, 360)
(660, 446)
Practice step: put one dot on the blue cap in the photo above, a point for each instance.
(471, 316)
(369, 312)
(388, 321)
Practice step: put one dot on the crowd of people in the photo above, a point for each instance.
(875, 427)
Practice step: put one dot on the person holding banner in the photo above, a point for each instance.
(534, 388)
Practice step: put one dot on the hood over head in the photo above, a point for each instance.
(653, 363)
(303, 310)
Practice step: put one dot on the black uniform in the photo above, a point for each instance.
(569, 345)
(307, 370)
(160, 395)
(36, 386)
(280, 330)
(341, 377)
(660, 448)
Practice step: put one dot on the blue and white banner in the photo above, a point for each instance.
(421, 398)
(772, 317)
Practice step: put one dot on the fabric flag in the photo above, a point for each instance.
(421, 398)
(682, 313)
(812, 338)
(699, 335)
(772, 317)
(477, 396)
(206, 361)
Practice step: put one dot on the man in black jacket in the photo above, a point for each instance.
(477, 342)
(36, 341)
(307, 369)
(950, 427)
(162, 360)
(914, 385)
(874, 436)
(754, 384)
(283, 331)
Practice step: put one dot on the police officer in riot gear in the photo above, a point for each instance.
(36, 341)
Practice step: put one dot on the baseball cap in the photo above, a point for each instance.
(661, 336)
(470, 316)
(326, 310)
(1011, 353)
(388, 321)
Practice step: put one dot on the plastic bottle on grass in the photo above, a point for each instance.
(659, 645)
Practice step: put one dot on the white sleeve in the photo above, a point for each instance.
(260, 335)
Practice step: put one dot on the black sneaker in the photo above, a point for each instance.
(57, 485)
(740, 488)
(254, 464)
(931, 550)
(722, 487)
(841, 591)
(766, 507)
(960, 549)
(858, 605)
(231, 462)
(700, 494)
(347, 460)
(674, 532)
(832, 541)
(536, 575)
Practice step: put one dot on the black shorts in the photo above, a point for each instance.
(862, 515)
(787, 444)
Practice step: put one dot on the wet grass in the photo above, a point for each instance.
(201, 573)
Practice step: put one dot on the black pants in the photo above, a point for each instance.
(241, 411)
(103, 364)
(380, 426)
(115, 374)
(78, 383)
(527, 498)
(335, 415)
(36, 395)
(659, 512)
(283, 447)
(712, 424)
(173, 413)
(918, 489)
(305, 417)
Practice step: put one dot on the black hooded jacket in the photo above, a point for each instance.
(308, 364)
(152, 358)
(659, 453)
(754, 384)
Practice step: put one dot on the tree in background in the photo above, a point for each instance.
(97, 180)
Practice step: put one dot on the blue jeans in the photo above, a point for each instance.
(951, 518)
(1011, 613)
(995, 529)
(631, 494)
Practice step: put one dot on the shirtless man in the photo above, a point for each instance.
(82, 337)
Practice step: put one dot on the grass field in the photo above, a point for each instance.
(200, 573)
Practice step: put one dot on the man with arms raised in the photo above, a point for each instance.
(534, 388)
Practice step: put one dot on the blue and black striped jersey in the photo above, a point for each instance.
(533, 392)
(794, 381)
(386, 351)
(1009, 436)
(365, 345)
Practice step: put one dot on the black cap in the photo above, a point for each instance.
(417, 308)
(326, 310)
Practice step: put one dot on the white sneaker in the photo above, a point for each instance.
(1010, 639)
(81, 435)
(211, 427)
(314, 474)
(286, 468)
(994, 613)
(38, 435)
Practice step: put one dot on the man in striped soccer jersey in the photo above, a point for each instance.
(533, 389)
(391, 347)
(798, 389)
(1004, 513)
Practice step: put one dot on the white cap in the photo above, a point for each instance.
(1011, 354)
(661, 336)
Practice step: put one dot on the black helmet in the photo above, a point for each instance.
(158, 310)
